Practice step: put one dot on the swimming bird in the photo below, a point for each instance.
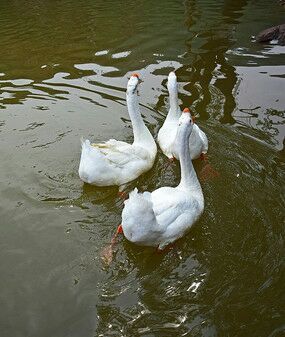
(165, 215)
(115, 162)
(272, 33)
(198, 141)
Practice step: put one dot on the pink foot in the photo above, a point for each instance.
(119, 230)
(165, 249)
(204, 156)
(107, 252)
(122, 195)
(208, 172)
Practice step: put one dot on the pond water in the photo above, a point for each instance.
(64, 67)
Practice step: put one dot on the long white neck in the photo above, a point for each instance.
(189, 178)
(142, 136)
(174, 111)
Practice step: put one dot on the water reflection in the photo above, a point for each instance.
(210, 68)
(195, 279)
(64, 66)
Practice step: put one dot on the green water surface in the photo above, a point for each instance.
(64, 66)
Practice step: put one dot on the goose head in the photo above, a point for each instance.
(184, 129)
(172, 82)
(133, 84)
(185, 124)
(172, 86)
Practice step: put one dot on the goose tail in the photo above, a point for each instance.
(138, 218)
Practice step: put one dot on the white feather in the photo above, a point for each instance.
(166, 214)
(116, 162)
(198, 141)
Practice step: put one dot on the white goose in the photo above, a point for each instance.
(163, 216)
(198, 141)
(115, 162)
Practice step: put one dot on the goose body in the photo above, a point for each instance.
(163, 216)
(198, 141)
(115, 162)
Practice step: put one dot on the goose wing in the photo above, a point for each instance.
(120, 153)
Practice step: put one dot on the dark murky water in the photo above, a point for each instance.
(63, 71)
